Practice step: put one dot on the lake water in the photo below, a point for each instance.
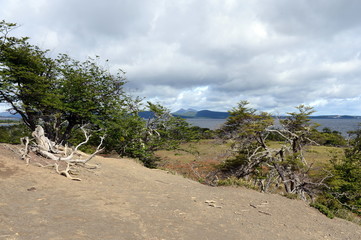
(341, 125)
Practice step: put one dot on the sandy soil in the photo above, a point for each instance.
(123, 200)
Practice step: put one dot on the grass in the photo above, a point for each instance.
(197, 160)
(321, 155)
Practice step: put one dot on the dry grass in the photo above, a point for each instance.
(321, 155)
(198, 159)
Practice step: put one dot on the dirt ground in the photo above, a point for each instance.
(123, 200)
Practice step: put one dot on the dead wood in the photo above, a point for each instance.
(60, 155)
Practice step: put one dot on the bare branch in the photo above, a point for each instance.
(49, 150)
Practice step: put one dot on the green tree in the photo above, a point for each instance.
(343, 189)
(252, 157)
(327, 137)
(141, 138)
(58, 97)
(245, 129)
(27, 77)
(59, 94)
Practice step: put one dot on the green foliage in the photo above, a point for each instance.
(244, 122)
(63, 94)
(13, 133)
(326, 199)
(323, 209)
(345, 184)
(203, 133)
(299, 121)
(343, 191)
(252, 157)
(130, 135)
(328, 138)
(246, 130)
(59, 94)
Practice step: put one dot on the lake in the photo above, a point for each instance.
(340, 125)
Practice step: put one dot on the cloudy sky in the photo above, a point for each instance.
(210, 54)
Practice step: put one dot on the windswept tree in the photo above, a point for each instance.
(60, 98)
(28, 77)
(246, 131)
(141, 138)
(253, 157)
(57, 96)
(343, 189)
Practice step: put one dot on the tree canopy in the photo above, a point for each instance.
(58, 93)
(62, 95)
(253, 157)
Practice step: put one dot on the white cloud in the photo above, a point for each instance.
(210, 54)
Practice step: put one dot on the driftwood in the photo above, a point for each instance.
(43, 146)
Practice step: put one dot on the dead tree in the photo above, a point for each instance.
(41, 145)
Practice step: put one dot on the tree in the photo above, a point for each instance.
(289, 161)
(60, 99)
(141, 138)
(246, 131)
(253, 157)
(327, 137)
(27, 77)
(343, 189)
(56, 96)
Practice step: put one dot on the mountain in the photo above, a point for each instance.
(191, 113)
(185, 113)
(212, 114)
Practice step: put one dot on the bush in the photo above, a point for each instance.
(12, 133)
(329, 138)
(323, 209)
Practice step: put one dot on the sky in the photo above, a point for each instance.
(211, 54)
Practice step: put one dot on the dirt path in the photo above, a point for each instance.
(123, 200)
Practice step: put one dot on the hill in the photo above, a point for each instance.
(201, 114)
(123, 200)
(187, 113)
(212, 114)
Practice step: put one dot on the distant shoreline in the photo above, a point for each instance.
(280, 117)
(342, 125)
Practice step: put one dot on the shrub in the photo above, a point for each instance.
(13, 133)
(323, 209)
